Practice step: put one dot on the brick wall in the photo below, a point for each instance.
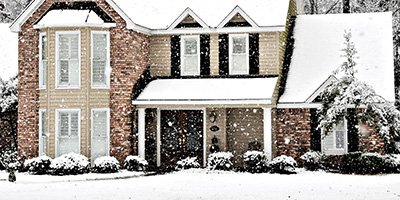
(293, 132)
(129, 58)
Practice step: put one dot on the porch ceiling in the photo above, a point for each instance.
(207, 91)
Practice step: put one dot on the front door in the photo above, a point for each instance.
(181, 135)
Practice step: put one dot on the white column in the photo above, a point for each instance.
(267, 132)
(141, 132)
(158, 137)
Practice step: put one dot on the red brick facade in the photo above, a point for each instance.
(129, 58)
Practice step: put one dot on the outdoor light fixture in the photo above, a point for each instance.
(213, 117)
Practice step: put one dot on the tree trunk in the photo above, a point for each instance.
(346, 6)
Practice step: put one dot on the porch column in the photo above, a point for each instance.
(141, 132)
(267, 133)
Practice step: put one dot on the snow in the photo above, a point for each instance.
(208, 91)
(317, 52)
(70, 18)
(8, 52)
(203, 184)
(156, 14)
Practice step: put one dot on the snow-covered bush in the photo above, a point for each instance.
(220, 161)
(39, 165)
(312, 160)
(9, 160)
(135, 163)
(283, 165)
(363, 163)
(105, 164)
(70, 164)
(255, 161)
(392, 163)
(187, 163)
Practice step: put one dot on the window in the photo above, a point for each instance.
(100, 59)
(42, 60)
(68, 131)
(190, 55)
(238, 54)
(100, 133)
(68, 59)
(336, 141)
(42, 132)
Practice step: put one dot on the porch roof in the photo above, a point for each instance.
(208, 91)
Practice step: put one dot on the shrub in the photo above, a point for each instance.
(39, 165)
(220, 161)
(312, 160)
(70, 164)
(391, 163)
(350, 162)
(255, 161)
(331, 162)
(283, 165)
(105, 164)
(135, 163)
(9, 160)
(367, 163)
(188, 163)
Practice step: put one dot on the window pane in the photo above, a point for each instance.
(68, 145)
(68, 59)
(239, 45)
(42, 133)
(328, 142)
(64, 72)
(44, 47)
(74, 46)
(74, 72)
(190, 46)
(100, 46)
(239, 64)
(339, 139)
(100, 138)
(44, 72)
(63, 47)
(191, 64)
(99, 59)
(100, 123)
(74, 124)
(64, 127)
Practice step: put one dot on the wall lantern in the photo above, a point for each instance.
(213, 117)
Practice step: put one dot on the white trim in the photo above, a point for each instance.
(204, 102)
(182, 43)
(236, 10)
(335, 151)
(42, 83)
(56, 129)
(298, 105)
(92, 128)
(34, 5)
(105, 25)
(58, 33)
(141, 132)
(108, 66)
(204, 137)
(226, 30)
(231, 36)
(184, 14)
(267, 120)
(158, 137)
(321, 88)
(42, 151)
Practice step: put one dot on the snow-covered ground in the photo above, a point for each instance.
(203, 184)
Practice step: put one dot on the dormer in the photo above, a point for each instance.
(237, 18)
(188, 19)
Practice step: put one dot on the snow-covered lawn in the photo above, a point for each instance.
(203, 184)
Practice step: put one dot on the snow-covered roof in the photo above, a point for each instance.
(156, 14)
(71, 18)
(8, 52)
(317, 52)
(208, 91)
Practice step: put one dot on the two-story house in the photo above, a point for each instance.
(164, 80)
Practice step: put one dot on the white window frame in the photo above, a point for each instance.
(108, 67)
(57, 129)
(108, 129)
(58, 33)
(231, 36)
(41, 134)
(335, 151)
(184, 73)
(42, 80)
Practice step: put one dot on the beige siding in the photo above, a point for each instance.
(214, 55)
(160, 55)
(269, 53)
(244, 125)
(221, 124)
(83, 99)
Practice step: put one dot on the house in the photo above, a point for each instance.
(115, 77)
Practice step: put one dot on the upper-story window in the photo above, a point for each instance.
(238, 54)
(42, 60)
(190, 55)
(100, 59)
(335, 142)
(68, 59)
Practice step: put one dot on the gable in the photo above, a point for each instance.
(188, 19)
(237, 18)
(237, 21)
